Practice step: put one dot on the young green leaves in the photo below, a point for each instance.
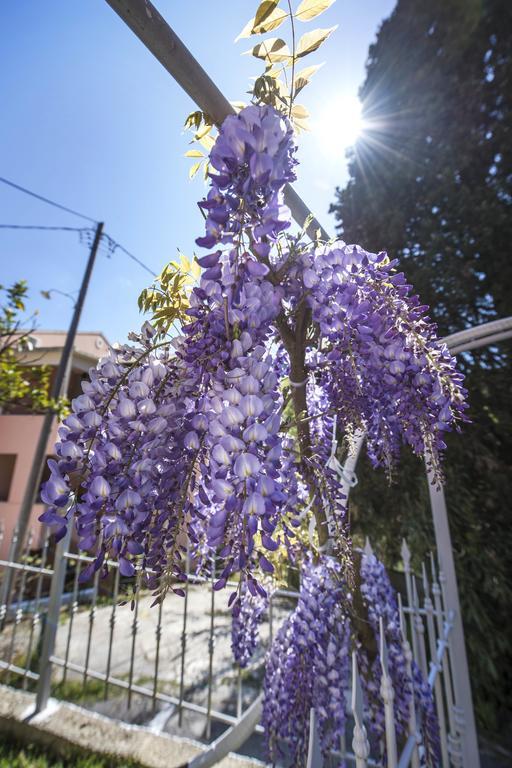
(202, 125)
(167, 298)
(280, 84)
(310, 9)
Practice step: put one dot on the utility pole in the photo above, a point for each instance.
(59, 389)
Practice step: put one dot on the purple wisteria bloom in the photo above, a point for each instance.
(212, 445)
(308, 665)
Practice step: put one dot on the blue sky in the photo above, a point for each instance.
(91, 120)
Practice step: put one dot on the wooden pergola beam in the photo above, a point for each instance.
(152, 29)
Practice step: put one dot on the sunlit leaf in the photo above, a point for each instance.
(301, 125)
(246, 31)
(313, 40)
(193, 170)
(299, 112)
(194, 153)
(238, 105)
(273, 21)
(303, 77)
(264, 10)
(194, 120)
(272, 71)
(207, 142)
(309, 9)
(203, 131)
(273, 49)
(195, 270)
(299, 115)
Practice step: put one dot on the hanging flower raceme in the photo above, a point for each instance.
(123, 447)
(253, 160)
(380, 599)
(385, 371)
(247, 617)
(193, 450)
(308, 665)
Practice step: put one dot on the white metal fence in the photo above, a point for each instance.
(171, 665)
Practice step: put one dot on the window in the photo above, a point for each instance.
(7, 462)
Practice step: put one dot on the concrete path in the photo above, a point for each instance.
(63, 727)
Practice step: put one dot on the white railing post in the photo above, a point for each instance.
(406, 559)
(464, 700)
(421, 660)
(360, 743)
(431, 633)
(315, 759)
(388, 696)
(413, 727)
(52, 622)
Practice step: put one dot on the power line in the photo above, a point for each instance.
(112, 245)
(44, 227)
(46, 200)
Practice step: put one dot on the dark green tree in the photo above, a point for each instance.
(431, 182)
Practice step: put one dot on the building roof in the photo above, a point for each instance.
(46, 346)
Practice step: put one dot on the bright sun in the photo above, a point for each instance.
(340, 124)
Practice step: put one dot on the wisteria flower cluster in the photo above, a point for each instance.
(308, 665)
(181, 447)
(222, 442)
(245, 626)
(384, 372)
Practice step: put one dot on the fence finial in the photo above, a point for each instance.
(368, 547)
(360, 743)
(388, 694)
(406, 555)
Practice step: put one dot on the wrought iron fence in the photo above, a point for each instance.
(171, 665)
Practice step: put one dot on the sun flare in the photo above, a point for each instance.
(340, 124)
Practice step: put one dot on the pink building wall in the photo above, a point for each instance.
(19, 433)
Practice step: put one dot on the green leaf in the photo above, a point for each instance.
(246, 31)
(194, 153)
(300, 112)
(193, 120)
(309, 9)
(313, 40)
(264, 10)
(273, 21)
(303, 77)
(299, 117)
(193, 170)
(207, 142)
(273, 49)
(203, 131)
